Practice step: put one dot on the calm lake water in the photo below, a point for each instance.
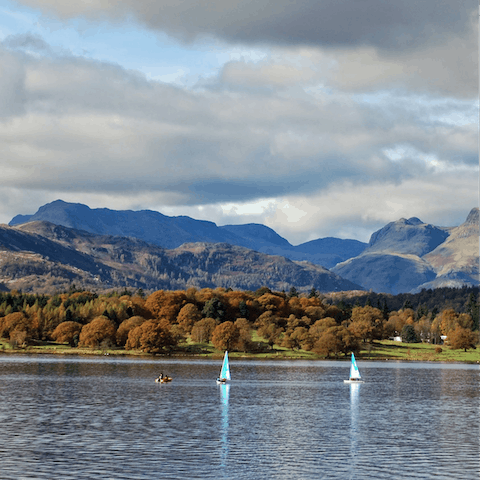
(106, 418)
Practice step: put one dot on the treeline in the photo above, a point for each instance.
(460, 299)
(165, 320)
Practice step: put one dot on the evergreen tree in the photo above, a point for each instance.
(409, 335)
(293, 292)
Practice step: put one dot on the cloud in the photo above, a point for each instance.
(26, 41)
(330, 23)
(82, 125)
(349, 123)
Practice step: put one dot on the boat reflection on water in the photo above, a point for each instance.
(354, 433)
(224, 397)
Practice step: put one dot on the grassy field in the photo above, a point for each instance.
(382, 350)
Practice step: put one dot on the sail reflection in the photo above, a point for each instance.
(354, 433)
(224, 397)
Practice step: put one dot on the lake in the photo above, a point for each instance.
(106, 418)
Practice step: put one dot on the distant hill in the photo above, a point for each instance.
(410, 236)
(456, 260)
(43, 257)
(171, 232)
(408, 255)
(403, 256)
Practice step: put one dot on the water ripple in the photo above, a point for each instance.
(109, 420)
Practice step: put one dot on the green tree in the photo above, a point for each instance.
(293, 292)
(215, 309)
(408, 334)
(313, 293)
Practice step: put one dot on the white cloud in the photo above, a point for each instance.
(325, 136)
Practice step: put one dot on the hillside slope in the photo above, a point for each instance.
(408, 255)
(171, 232)
(43, 257)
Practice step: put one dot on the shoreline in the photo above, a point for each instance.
(277, 356)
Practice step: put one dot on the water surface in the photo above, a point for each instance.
(106, 418)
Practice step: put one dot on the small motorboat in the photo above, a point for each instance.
(163, 379)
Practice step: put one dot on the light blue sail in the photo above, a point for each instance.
(354, 372)
(225, 371)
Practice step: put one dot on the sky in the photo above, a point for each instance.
(317, 118)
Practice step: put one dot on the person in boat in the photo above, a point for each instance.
(222, 380)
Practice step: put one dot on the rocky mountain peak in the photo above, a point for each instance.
(410, 236)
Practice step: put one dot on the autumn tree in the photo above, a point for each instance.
(99, 330)
(68, 332)
(423, 328)
(462, 338)
(187, 317)
(164, 304)
(328, 344)
(14, 321)
(151, 337)
(18, 328)
(336, 340)
(268, 327)
(297, 338)
(225, 336)
(125, 327)
(321, 326)
(244, 342)
(274, 303)
(366, 323)
(202, 331)
(449, 320)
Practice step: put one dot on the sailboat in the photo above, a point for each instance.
(355, 376)
(225, 371)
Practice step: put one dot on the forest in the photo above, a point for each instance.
(167, 321)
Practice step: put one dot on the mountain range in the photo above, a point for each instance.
(171, 232)
(43, 257)
(146, 249)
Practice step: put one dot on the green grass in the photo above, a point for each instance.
(381, 350)
(421, 352)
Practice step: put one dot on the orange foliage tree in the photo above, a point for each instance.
(202, 331)
(187, 317)
(164, 304)
(18, 327)
(99, 330)
(151, 337)
(244, 342)
(462, 338)
(336, 340)
(68, 332)
(366, 323)
(225, 336)
(125, 327)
